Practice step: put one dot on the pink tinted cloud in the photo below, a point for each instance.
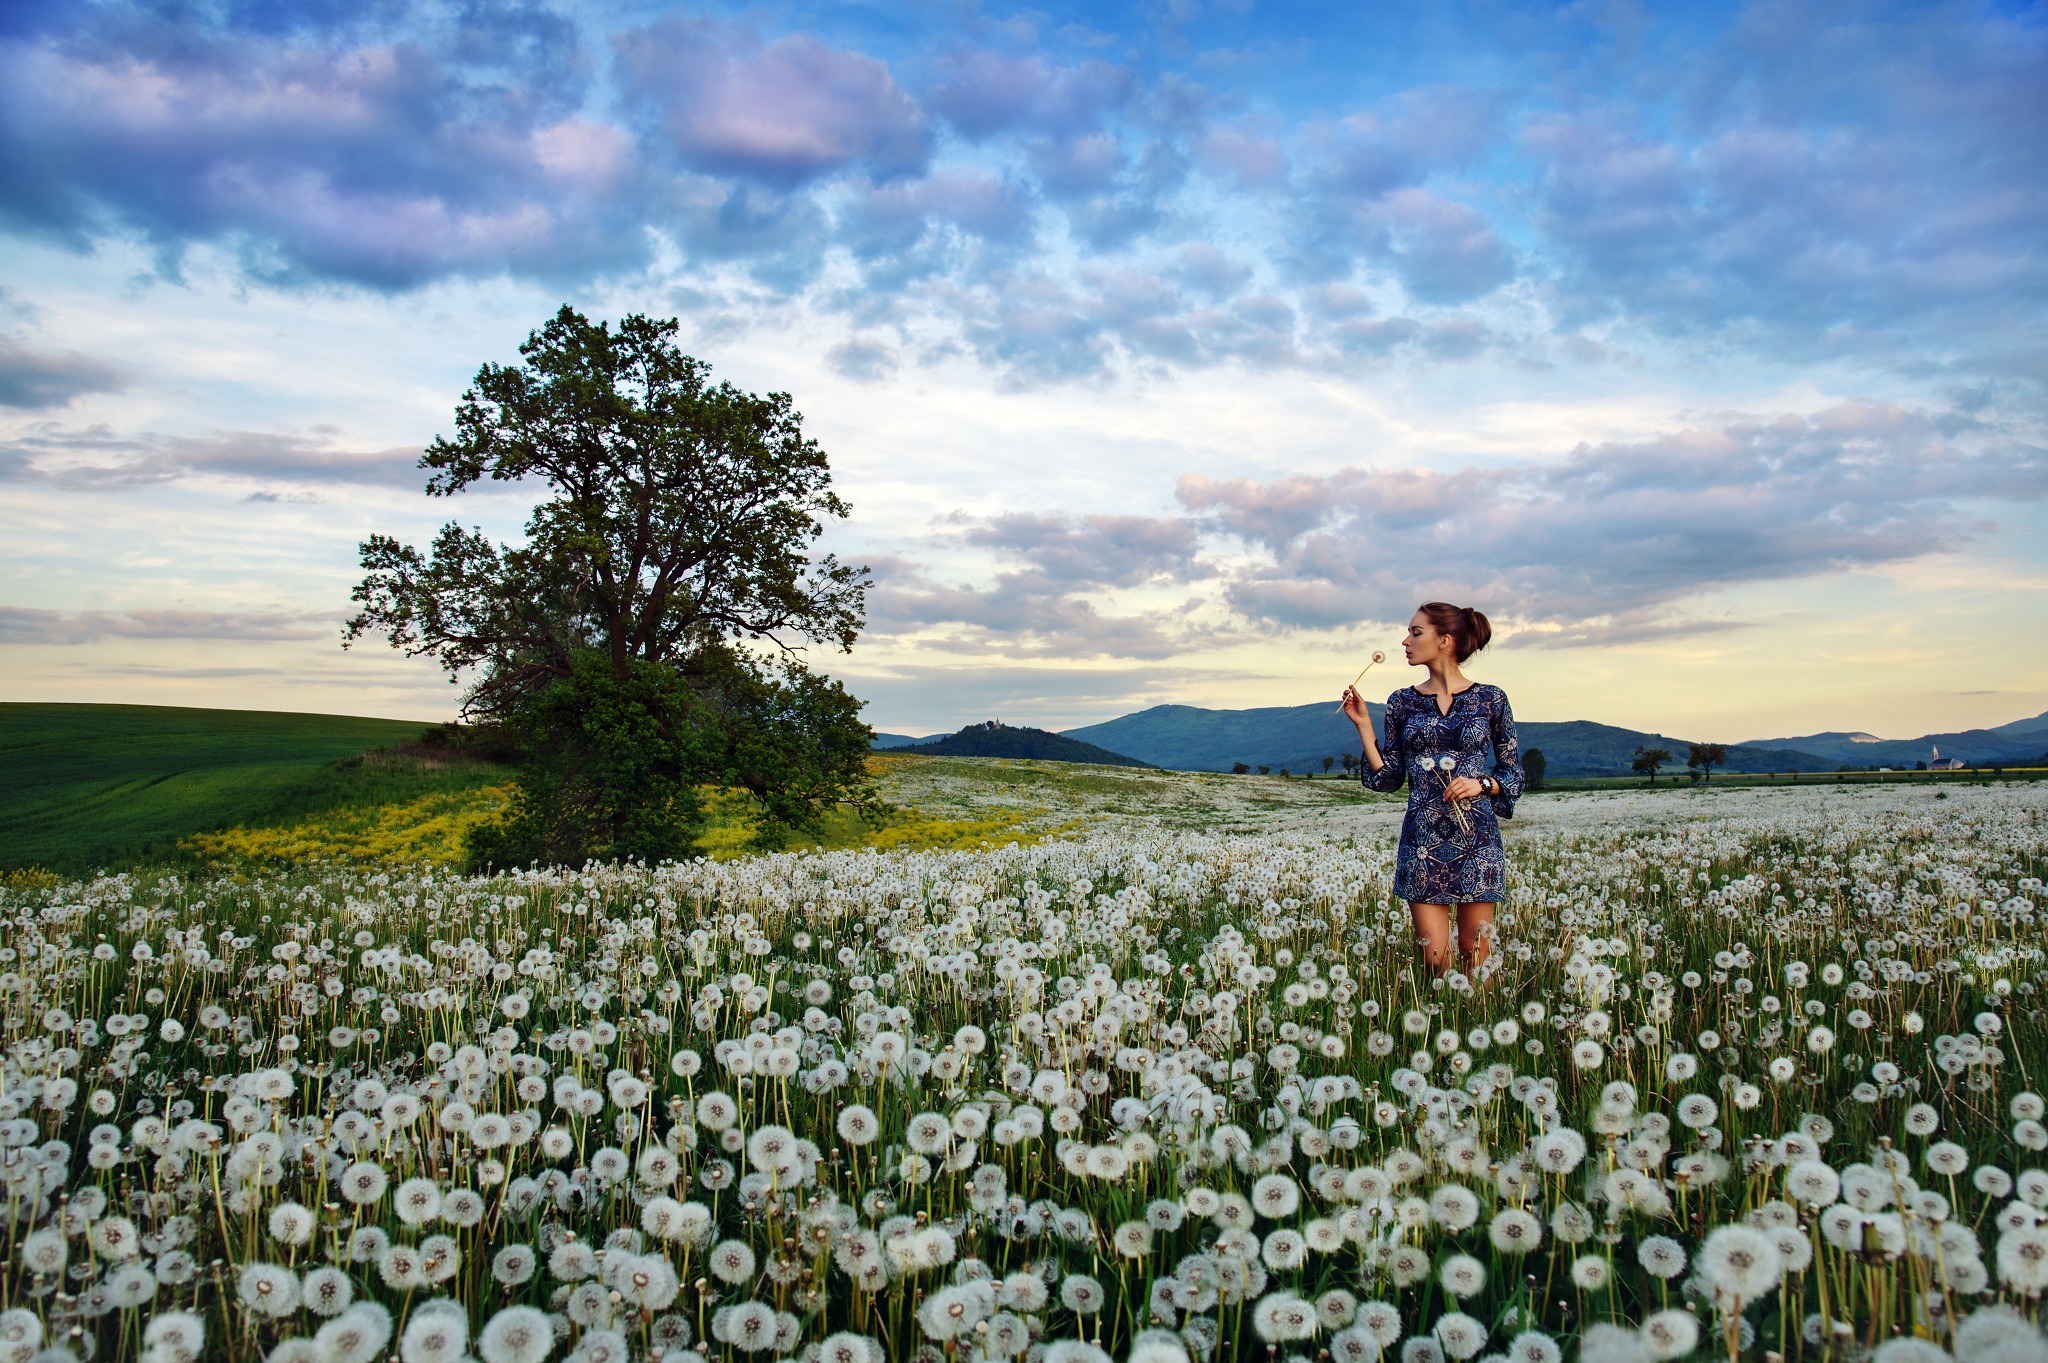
(370, 163)
(781, 112)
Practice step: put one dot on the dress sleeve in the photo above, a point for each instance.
(1507, 759)
(1393, 758)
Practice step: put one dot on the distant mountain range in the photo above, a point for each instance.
(1298, 737)
(2021, 740)
(1186, 737)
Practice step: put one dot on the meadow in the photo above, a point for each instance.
(1752, 1073)
(94, 785)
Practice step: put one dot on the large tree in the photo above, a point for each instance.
(646, 639)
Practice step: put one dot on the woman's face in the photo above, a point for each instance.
(1424, 645)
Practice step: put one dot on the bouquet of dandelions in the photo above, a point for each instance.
(1446, 768)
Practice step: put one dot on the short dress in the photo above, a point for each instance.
(1441, 862)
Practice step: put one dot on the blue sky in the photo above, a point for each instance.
(1166, 352)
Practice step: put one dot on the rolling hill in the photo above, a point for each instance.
(90, 784)
(995, 739)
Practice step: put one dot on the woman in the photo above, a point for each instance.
(1438, 737)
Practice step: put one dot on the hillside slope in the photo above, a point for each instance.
(1006, 740)
(885, 742)
(88, 784)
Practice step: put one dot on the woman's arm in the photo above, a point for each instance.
(1507, 760)
(1385, 765)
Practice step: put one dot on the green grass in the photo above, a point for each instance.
(94, 785)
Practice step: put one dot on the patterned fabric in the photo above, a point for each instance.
(1439, 861)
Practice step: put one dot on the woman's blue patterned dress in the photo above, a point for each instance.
(1440, 862)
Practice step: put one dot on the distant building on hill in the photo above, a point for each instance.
(1940, 763)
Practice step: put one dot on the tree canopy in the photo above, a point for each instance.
(646, 639)
(1704, 757)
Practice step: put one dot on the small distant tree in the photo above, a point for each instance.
(1920, 766)
(1704, 757)
(1533, 766)
(1284, 773)
(1238, 768)
(1649, 759)
(1328, 762)
(1265, 770)
(1350, 760)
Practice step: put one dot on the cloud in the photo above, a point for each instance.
(1868, 181)
(25, 625)
(36, 379)
(1606, 545)
(1093, 551)
(1364, 195)
(1444, 252)
(1048, 604)
(385, 159)
(983, 94)
(941, 697)
(892, 220)
(1274, 513)
(1409, 137)
(1249, 161)
(863, 358)
(1779, 182)
(1208, 271)
(98, 459)
(1611, 537)
(1612, 544)
(782, 112)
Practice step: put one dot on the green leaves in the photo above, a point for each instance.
(679, 522)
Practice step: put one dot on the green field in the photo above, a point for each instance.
(92, 785)
(99, 786)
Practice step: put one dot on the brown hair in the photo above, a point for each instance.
(1467, 628)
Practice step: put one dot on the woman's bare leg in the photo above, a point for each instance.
(1433, 934)
(1475, 934)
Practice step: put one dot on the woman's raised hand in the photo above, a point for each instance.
(1354, 707)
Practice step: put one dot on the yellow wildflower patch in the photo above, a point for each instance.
(728, 832)
(29, 878)
(432, 828)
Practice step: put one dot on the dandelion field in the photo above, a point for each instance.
(1761, 1083)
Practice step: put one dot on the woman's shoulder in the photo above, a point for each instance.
(1403, 698)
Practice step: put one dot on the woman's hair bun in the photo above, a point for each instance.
(1470, 628)
(1479, 630)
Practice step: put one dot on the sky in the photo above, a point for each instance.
(1166, 352)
